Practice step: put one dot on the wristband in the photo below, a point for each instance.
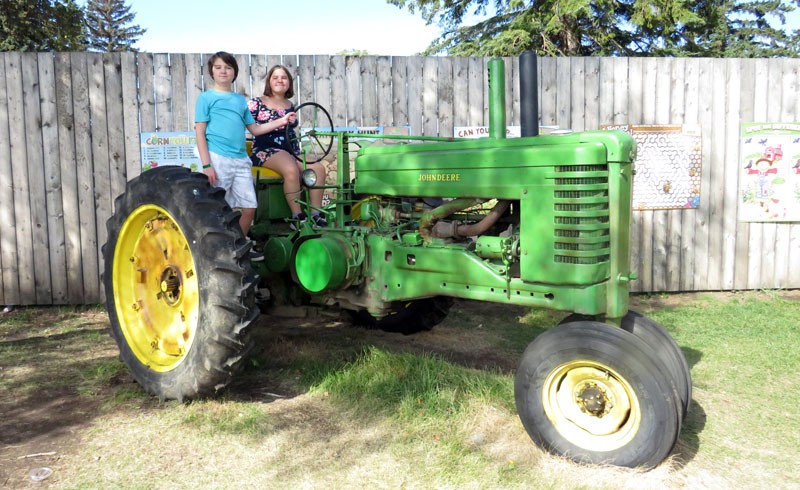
(206, 166)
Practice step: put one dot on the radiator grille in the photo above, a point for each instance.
(581, 211)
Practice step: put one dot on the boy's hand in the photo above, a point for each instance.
(211, 174)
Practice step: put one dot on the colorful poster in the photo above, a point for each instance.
(667, 167)
(159, 149)
(769, 178)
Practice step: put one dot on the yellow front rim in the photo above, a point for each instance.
(156, 291)
(591, 405)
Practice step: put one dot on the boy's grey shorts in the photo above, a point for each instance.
(236, 177)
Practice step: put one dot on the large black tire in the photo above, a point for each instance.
(409, 317)
(180, 291)
(668, 351)
(596, 394)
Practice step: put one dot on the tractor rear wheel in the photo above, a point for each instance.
(595, 393)
(180, 291)
(409, 317)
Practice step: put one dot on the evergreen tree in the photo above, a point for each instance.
(109, 25)
(712, 28)
(41, 26)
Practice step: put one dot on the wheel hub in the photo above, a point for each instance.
(593, 400)
(170, 286)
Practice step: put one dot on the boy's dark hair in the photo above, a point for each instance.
(226, 58)
(268, 89)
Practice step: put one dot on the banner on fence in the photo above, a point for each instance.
(668, 163)
(176, 148)
(769, 179)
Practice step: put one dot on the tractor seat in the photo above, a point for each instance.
(263, 173)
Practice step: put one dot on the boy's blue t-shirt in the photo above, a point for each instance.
(227, 116)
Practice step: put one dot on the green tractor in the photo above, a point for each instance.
(540, 221)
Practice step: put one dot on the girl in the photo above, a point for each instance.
(274, 111)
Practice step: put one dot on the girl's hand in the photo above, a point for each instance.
(211, 174)
(290, 118)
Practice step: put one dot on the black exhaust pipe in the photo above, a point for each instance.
(528, 95)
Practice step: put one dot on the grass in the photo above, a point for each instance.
(325, 405)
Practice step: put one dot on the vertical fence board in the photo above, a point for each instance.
(116, 127)
(100, 145)
(414, 85)
(746, 108)
(706, 119)
(36, 179)
(85, 177)
(549, 91)
(22, 221)
(180, 111)
(430, 80)
(353, 86)
(730, 136)
(130, 117)
(690, 216)
(338, 92)
(661, 232)
(304, 81)
(784, 112)
(69, 178)
(8, 237)
(163, 92)
(242, 84)
(635, 67)
(577, 101)
(563, 89)
(400, 91)
(322, 82)
(475, 87)
(445, 96)
(52, 180)
(384, 90)
(195, 68)
(674, 235)
(460, 91)
(369, 91)
(147, 102)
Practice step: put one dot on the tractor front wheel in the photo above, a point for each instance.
(596, 393)
(178, 283)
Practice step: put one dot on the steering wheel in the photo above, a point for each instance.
(302, 139)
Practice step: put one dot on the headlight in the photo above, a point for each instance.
(309, 177)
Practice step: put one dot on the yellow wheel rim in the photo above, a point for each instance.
(591, 405)
(156, 291)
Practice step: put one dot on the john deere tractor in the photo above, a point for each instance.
(540, 221)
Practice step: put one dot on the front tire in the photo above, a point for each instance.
(179, 285)
(596, 394)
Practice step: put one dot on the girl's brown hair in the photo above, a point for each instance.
(226, 58)
(268, 89)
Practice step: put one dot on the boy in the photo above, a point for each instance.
(221, 117)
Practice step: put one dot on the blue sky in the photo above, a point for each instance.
(279, 27)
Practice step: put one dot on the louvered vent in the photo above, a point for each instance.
(581, 214)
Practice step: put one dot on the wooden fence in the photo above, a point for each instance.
(70, 125)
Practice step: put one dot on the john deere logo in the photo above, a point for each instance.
(440, 177)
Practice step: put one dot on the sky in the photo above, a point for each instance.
(279, 27)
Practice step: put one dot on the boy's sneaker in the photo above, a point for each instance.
(255, 255)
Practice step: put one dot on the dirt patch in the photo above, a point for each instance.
(59, 410)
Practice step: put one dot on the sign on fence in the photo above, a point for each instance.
(176, 148)
(668, 163)
(769, 179)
